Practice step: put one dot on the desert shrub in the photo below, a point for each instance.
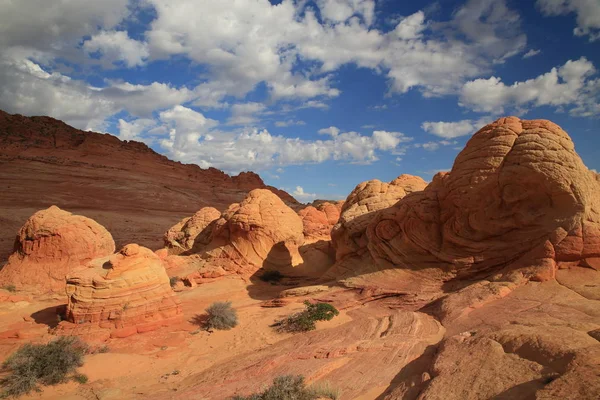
(287, 387)
(41, 364)
(80, 378)
(325, 390)
(221, 316)
(10, 288)
(305, 320)
(271, 276)
(173, 280)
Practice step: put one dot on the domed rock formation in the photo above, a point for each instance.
(52, 243)
(517, 198)
(191, 231)
(127, 293)
(318, 221)
(260, 231)
(348, 235)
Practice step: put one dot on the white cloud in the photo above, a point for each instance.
(117, 46)
(258, 149)
(245, 113)
(289, 122)
(131, 130)
(41, 26)
(299, 193)
(341, 10)
(587, 12)
(450, 130)
(567, 86)
(531, 53)
(332, 131)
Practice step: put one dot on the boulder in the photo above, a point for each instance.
(349, 233)
(126, 293)
(319, 220)
(191, 232)
(261, 231)
(52, 243)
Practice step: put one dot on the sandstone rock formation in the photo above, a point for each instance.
(348, 234)
(43, 161)
(126, 293)
(260, 231)
(52, 243)
(518, 197)
(318, 221)
(190, 231)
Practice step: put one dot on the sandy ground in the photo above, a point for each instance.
(134, 366)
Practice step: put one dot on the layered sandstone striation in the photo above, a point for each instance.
(191, 231)
(319, 220)
(262, 231)
(349, 233)
(127, 293)
(52, 243)
(517, 197)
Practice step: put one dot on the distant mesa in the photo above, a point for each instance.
(126, 293)
(51, 244)
(45, 162)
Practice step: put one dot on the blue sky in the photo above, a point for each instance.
(316, 96)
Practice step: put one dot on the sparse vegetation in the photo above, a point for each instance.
(42, 364)
(10, 288)
(326, 390)
(221, 316)
(290, 387)
(80, 378)
(271, 276)
(305, 320)
(173, 281)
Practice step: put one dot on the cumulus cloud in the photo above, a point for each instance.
(245, 113)
(299, 193)
(570, 85)
(587, 14)
(26, 88)
(117, 46)
(450, 130)
(194, 138)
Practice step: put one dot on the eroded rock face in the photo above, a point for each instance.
(518, 198)
(128, 292)
(192, 231)
(52, 243)
(318, 221)
(261, 231)
(348, 235)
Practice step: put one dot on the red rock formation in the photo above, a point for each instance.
(348, 234)
(318, 221)
(518, 197)
(191, 231)
(261, 231)
(125, 294)
(52, 243)
(118, 183)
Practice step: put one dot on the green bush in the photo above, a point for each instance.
(291, 387)
(42, 364)
(271, 276)
(80, 378)
(221, 316)
(305, 320)
(288, 387)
